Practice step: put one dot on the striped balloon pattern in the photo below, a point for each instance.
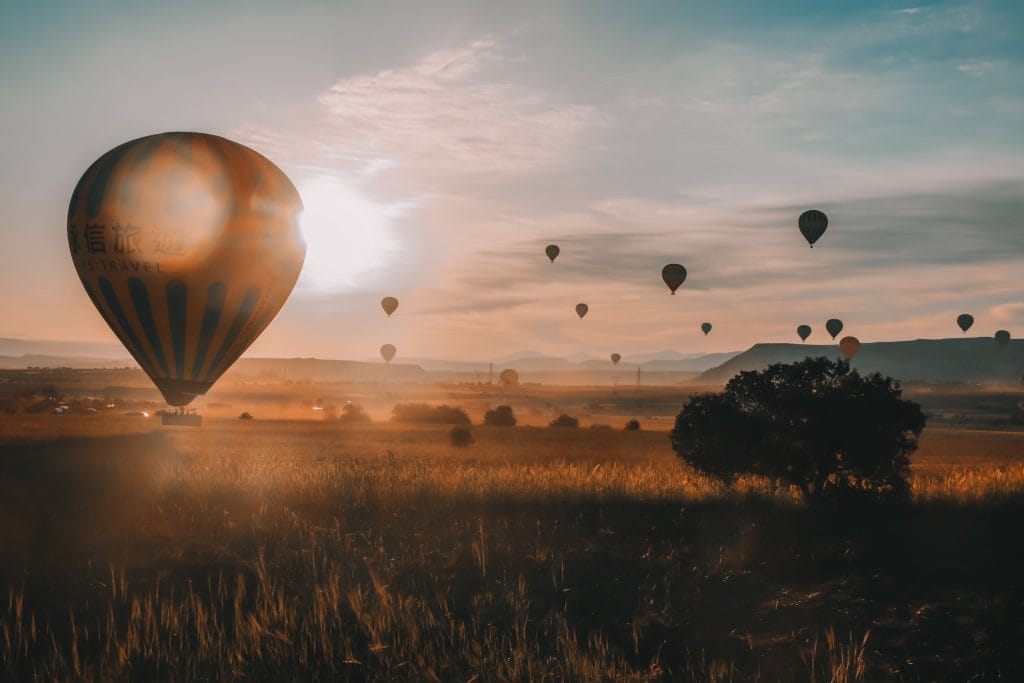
(188, 244)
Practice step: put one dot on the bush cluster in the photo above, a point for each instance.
(461, 436)
(353, 413)
(501, 416)
(566, 421)
(424, 413)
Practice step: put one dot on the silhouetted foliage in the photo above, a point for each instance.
(353, 413)
(243, 416)
(501, 416)
(633, 425)
(564, 421)
(461, 436)
(427, 414)
(814, 424)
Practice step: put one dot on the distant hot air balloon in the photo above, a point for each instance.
(616, 358)
(508, 376)
(834, 326)
(804, 331)
(387, 352)
(188, 244)
(389, 304)
(581, 310)
(1002, 338)
(674, 275)
(552, 251)
(964, 321)
(849, 347)
(812, 225)
(705, 328)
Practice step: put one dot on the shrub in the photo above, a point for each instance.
(564, 421)
(243, 416)
(353, 413)
(633, 425)
(813, 424)
(501, 416)
(424, 413)
(461, 436)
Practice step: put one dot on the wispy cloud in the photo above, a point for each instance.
(455, 112)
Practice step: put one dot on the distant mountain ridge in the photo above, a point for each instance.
(972, 359)
(10, 346)
(325, 370)
(77, 362)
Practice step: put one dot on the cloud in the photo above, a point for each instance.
(977, 67)
(1008, 313)
(453, 113)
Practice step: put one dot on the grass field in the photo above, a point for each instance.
(299, 550)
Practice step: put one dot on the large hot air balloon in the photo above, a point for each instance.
(812, 225)
(674, 275)
(616, 358)
(834, 326)
(581, 309)
(1002, 338)
(387, 352)
(508, 376)
(705, 328)
(188, 244)
(804, 331)
(964, 321)
(389, 304)
(849, 347)
(552, 251)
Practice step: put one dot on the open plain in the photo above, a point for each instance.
(302, 547)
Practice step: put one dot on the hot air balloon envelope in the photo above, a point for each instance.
(581, 310)
(674, 275)
(387, 352)
(1002, 337)
(616, 358)
(834, 326)
(964, 321)
(508, 376)
(849, 347)
(812, 225)
(803, 331)
(389, 304)
(188, 244)
(705, 328)
(552, 251)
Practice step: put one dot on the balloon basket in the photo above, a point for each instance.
(182, 418)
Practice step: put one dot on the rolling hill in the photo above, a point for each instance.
(974, 359)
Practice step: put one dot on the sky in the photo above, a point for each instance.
(439, 147)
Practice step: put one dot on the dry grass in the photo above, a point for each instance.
(283, 551)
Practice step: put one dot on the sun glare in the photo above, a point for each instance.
(348, 235)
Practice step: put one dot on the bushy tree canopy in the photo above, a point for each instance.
(500, 416)
(428, 414)
(814, 424)
(353, 413)
(566, 421)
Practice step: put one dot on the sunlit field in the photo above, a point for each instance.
(297, 550)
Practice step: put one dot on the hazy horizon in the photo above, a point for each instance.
(439, 149)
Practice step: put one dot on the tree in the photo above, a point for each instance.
(353, 413)
(500, 416)
(565, 421)
(814, 424)
(427, 414)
